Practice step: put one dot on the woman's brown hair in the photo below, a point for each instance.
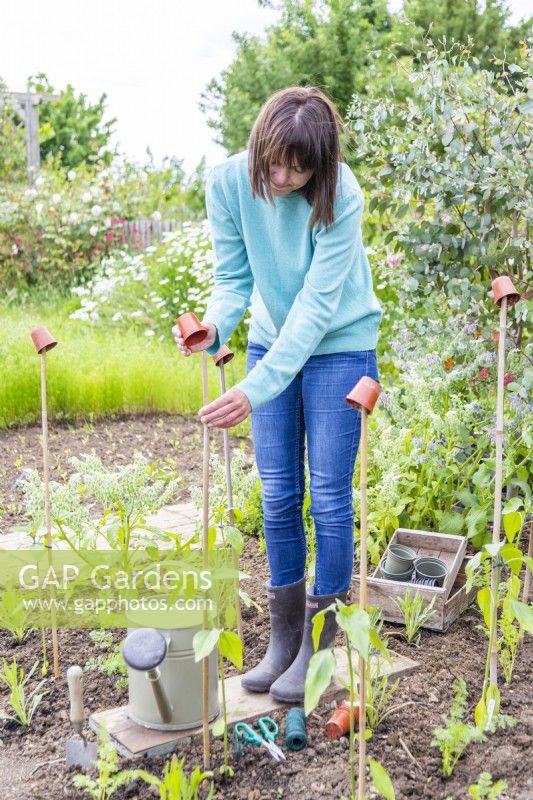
(299, 123)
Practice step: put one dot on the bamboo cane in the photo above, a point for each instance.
(362, 599)
(363, 397)
(229, 490)
(505, 295)
(527, 576)
(205, 524)
(43, 342)
(495, 572)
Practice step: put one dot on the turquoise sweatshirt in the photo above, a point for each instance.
(310, 291)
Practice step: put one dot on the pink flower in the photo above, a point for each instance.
(508, 378)
(446, 219)
(483, 373)
(394, 261)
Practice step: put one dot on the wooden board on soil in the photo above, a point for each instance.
(133, 740)
(450, 600)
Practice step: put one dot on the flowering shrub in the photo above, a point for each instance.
(151, 289)
(57, 231)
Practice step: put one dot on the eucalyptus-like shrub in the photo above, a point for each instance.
(450, 173)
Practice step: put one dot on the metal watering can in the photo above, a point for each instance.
(164, 682)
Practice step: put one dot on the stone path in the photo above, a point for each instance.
(178, 518)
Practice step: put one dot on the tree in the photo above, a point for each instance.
(486, 25)
(71, 127)
(12, 145)
(325, 43)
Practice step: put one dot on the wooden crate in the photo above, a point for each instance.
(451, 598)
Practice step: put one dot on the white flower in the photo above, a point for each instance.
(156, 215)
(116, 317)
(73, 217)
(107, 222)
(14, 249)
(96, 210)
(148, 333)
(116, 206)
(86, 197)
(71, 174)
(56, 197)
(39, 181)
(39, 207)
(93, 230)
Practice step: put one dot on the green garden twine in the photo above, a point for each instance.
(295, 733)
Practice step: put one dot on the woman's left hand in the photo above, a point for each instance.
(228, 410)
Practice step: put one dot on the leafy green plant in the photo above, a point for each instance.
(484, 789)
(502, 555)
(13, 615)
(229, 647)
(415, 614)
(510, 632)
(360, 636)
(453, 739)
(112, 663)
(381, 780)
(24, 705)
(109, 779)
(175, 785)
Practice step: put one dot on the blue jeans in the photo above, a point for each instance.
(313, 404)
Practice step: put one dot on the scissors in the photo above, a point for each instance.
(245, 734)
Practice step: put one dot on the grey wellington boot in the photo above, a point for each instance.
(287, 612)
(290, 686)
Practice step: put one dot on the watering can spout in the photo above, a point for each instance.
(144, 649)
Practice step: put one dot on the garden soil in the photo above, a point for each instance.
(32, 765)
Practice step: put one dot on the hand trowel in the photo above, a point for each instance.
(79, 752)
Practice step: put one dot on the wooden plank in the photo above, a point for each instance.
(135, 741)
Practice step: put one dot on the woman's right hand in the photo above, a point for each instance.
(196, 348)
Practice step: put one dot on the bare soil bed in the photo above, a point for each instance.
(32, 763)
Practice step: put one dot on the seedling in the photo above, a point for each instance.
(175, 785)
(230, 647)
(24, 706)
(454, 738)
(484, 789)
(109, 778)
(414, 615)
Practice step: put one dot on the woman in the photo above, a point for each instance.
(286, 223)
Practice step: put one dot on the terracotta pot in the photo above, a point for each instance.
(42, 339)
(364, 395)
(191, 329)
(339, 723)
(504, 287)
(223, 356)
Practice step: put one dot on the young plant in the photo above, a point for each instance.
(175, 785)
(110, 663)
(454, 738)
(13, 616)
(505, 554)
(24, 706)
(415, 614)
(360, 636)
(484, 789)
(109, 778)
(229, 647)
(510, 632)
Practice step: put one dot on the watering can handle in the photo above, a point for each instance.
(75, 689)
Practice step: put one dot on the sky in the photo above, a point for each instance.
(151, 59)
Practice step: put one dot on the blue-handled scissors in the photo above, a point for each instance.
(269, 730)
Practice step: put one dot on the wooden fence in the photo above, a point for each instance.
(142, 232)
